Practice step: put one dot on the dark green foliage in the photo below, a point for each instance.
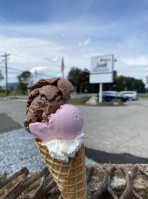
(1, 76)
(73, 77)
(23, 80)
(80, 80)
(128, 83)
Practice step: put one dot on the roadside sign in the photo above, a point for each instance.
(101, 69)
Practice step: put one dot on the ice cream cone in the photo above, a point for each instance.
(70, 177)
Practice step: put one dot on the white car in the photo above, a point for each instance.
(131, 95)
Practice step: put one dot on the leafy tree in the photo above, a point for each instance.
(129, 83)
(23, 79)
(80, 80)
(83, 80)
(1, 76)
(73, 77)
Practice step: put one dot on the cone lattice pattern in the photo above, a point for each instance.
(70, 177)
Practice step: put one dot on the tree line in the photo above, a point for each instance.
(24, 79)
(80, 80)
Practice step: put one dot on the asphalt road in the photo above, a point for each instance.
(114, 134)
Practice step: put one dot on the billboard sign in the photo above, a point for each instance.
(102, 64)
(101, 69)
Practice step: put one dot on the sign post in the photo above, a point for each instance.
(100, 92)
(101, 71)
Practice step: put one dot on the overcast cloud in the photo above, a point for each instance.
(38, 34)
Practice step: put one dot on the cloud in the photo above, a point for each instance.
(31, 54)
(85, 43)
(142, 60)
(41, 55)
(38, 69)
(44, 46)
(56, 58)
(30, 51)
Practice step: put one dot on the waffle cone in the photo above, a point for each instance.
(70, 177)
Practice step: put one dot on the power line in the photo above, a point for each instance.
(13, 72)
(19, 56)
(15, 69)
(5, 56)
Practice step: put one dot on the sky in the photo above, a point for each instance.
(37, 34)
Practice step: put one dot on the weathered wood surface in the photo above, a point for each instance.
(105, 181)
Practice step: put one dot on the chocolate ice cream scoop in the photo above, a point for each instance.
(45, 97)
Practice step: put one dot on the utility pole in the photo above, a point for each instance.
(35, 74)
(5, 56)
(62, 67)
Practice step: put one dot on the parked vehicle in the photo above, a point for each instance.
(111, 95)
(131, 95)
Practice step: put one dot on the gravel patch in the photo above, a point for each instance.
(17, 150)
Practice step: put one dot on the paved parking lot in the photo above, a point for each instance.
(121, 129)
(116, 134)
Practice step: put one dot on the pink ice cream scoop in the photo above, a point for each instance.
(65, 124)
